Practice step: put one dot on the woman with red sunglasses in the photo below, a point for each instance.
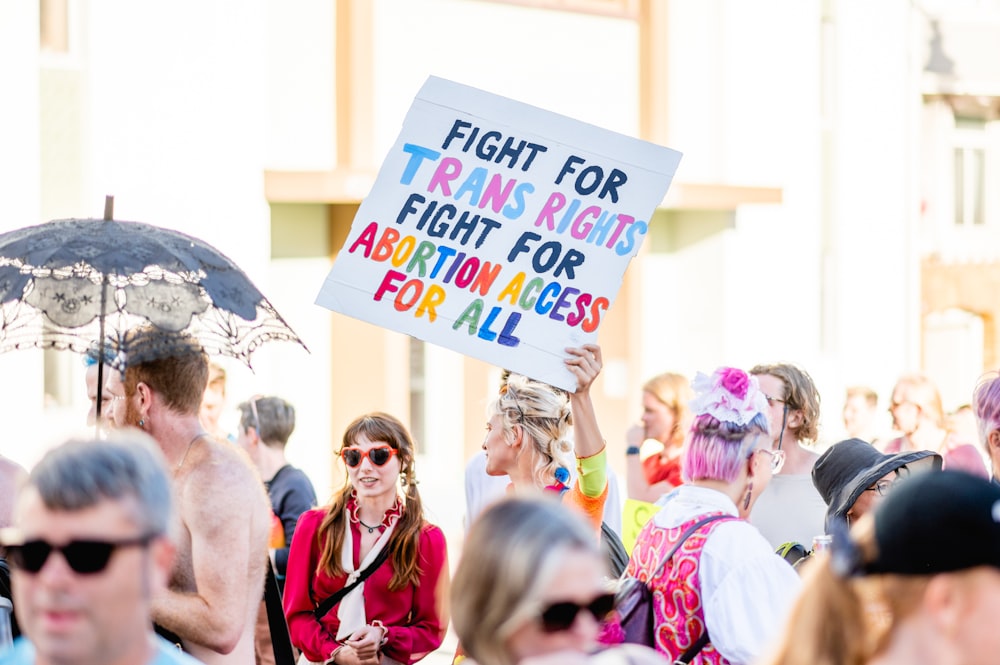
(367, 578)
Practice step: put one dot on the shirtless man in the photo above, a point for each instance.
(12, 475)
(218, 578)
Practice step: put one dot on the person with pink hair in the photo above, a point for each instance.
(724, 593)
(986, 403)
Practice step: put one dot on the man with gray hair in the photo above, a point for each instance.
(90, 547)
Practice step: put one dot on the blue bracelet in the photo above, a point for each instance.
(632, 450)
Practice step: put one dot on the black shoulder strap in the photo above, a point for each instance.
(695, 648)
(329, 603)
(281, 643)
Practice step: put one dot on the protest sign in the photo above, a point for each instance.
(498, 229)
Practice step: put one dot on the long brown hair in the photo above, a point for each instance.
(404, 544)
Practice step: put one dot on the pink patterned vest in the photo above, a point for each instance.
(677, 607)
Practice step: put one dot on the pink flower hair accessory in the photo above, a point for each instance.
(728, 395)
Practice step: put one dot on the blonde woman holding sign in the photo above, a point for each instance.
(367, 577)
(535, 432)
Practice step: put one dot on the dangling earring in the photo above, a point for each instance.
(746, 499)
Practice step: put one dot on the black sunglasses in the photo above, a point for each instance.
(379, 455)
(83, 556)
(558, 617)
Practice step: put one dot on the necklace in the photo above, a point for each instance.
(187, 450)
(371, 529)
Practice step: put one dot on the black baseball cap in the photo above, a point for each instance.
(938, 523)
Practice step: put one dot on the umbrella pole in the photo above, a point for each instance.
(100, 359)
(109, 206)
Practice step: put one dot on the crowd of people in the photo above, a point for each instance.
(170, 540)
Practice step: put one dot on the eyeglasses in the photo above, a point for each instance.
(85, 557)
(378, 455)
(777, 458)
(771, 401)
(558, 617)
(882, 487)
(256, 416)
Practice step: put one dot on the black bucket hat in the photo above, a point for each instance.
(848, 468)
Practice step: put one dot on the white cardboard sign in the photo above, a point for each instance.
(498, 229)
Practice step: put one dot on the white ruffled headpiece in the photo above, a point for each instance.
(729, 395)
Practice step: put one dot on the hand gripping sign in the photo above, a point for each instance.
(498, 230)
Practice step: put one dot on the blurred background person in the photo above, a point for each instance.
(725, 593)
(917, 415)
(266, 423)
(373, 532)
(531, 586)
(665, 420)
(12, 477)
(986, 405)
(860, 414)
(961, 450)
(916, 582)
(90, 548)
(791, 510)
(213, 403)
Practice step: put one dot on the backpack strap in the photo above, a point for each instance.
(687, 534)
(693, 650)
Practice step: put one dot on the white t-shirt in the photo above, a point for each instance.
(790, 510)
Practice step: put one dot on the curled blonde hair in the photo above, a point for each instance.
(543, 412)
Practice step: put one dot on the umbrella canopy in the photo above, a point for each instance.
(68, 283)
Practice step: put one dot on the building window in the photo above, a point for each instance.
(970, 172)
